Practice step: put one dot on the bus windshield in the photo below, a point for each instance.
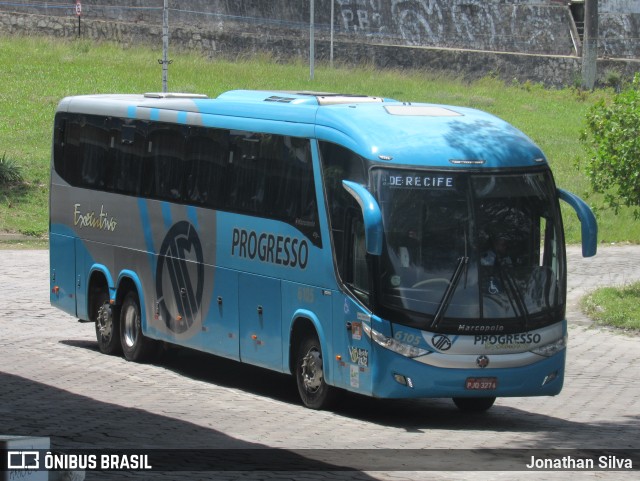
(469, 252)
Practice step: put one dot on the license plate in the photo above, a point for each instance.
(481, 383)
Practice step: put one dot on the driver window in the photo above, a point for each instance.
(359, 265)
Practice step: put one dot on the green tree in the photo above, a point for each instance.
(612, 136)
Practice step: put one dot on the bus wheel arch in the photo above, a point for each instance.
(136, 347)
(307, 364)
(104, 314)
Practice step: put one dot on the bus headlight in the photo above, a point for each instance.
(552, 348)
(392, 344)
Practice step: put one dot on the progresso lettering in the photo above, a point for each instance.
(274, 249)
(509, 339)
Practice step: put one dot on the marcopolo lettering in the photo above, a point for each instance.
(275, 249)
(480, 328)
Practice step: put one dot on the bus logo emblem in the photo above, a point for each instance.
(180, 277)
(482, 361)
(441, 342)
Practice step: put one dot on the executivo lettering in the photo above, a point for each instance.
(100, 221)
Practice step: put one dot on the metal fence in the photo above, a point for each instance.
(524, 26)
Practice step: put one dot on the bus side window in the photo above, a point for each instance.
(166, 150)
(271, 176)
(338, 164)
(205, 171)
(67, 161)
(245, 174)
(93, 154)
(128, 161)
(300, 178)
(290, 188)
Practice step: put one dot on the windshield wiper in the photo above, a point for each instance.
(513, 292)
(453, 284)
(451, 288)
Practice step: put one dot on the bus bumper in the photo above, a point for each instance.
(403, 377)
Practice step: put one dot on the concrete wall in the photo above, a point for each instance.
(524, 26)
(619, 28)
(617, 37)
(471, 24)
(619, 6)
(482, 37)
(231, 40)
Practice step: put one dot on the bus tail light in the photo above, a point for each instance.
(392, 344)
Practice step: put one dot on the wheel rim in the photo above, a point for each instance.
(105, 322)
(312, 374)
(130, 326)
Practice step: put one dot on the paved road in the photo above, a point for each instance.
(54, 382)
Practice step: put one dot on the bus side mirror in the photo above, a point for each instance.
(371, 214)
(587, 221)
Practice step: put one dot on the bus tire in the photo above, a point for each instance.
(314, 391)
(135, 346)
(107, 324)
(474, 404)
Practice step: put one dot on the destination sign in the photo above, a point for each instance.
(419, 181)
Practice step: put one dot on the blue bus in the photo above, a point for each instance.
(392, 249)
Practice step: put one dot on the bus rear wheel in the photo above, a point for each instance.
(314, 391)
(107, 328)
(474, 404)
(135, 346)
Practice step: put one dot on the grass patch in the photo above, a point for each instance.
(615, 306)
(49, 69)
(24, 244)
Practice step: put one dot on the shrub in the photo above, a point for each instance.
(9, 171)
(612, 136)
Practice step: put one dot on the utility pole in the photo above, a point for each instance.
(590, 44)
(331, 46)
(165, 45)
(312, 46)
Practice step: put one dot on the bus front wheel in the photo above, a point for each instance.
(107, 328)
(474, 404)
(135, 346)
(314, 391)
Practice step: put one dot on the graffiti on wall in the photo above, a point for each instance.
(362, 16)
(476, 24)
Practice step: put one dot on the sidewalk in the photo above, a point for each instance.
(614, 265)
